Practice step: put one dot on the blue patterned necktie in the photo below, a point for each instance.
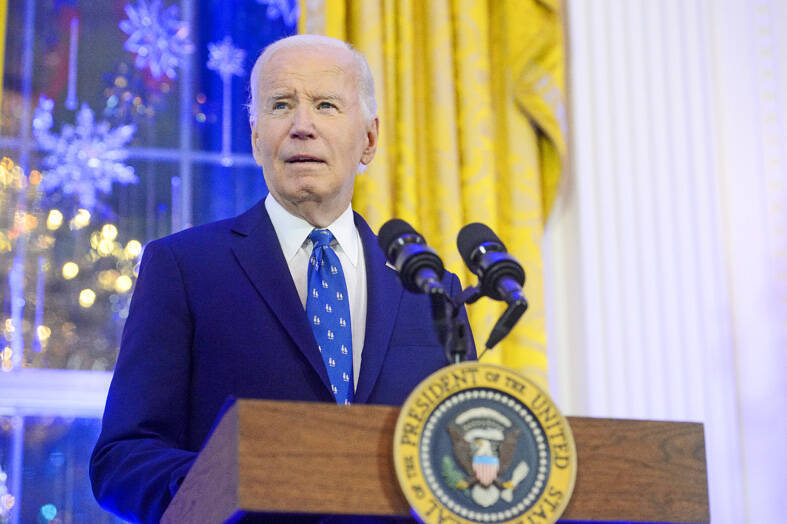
(328, 310)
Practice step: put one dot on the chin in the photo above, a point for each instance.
(306, 193)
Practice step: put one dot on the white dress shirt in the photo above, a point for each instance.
(293, 233)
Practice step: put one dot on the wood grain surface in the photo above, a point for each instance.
(639, 470)
(268, 456)
(331, 459)
(209, 493)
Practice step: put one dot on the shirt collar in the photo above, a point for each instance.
(293, 232)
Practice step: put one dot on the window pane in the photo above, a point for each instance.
(222, 192)
(12, 71)
(66, 274)
(55, 483)
(68, 244)
(106, 79)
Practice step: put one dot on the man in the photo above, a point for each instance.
(218, 310)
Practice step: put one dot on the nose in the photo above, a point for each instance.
(302, 123)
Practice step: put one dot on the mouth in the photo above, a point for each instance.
(304, 159)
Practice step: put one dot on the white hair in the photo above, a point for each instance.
(365, 81)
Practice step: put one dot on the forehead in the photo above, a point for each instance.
(312, 66)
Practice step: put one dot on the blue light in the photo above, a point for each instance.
(57, 458)
(48, 511)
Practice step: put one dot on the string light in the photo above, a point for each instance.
(109, 232)
(98, 276)
(107, 279)
(133, 249)
(123, 284)
(80, 220)
(43, 333)
(105, 247)
(70, 270)
(87, 297)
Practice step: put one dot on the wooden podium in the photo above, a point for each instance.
(283, 457)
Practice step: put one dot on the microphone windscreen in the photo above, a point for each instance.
(392, 230)
(473, 235)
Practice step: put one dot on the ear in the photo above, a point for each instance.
(255, 144)
(372, 134)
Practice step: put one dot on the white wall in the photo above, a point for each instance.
(666, 256)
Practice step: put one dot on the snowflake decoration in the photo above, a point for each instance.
(288, 10)
(225, 58)
(85, 158)
(157, 37)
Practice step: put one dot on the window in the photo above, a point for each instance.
(108, 142)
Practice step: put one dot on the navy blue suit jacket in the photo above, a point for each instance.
(215, 314)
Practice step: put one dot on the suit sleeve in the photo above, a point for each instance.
(140, 457)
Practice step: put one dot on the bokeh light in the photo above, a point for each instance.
(107, 278)
(81, 219)
(123, 284)
(133, 249)
(5, 243)
(109, 232)
(54, 220)
(5, 359)
(43, 332)
(70, 270)
(105, 247)
(48, 511)
(87, 297)
(7, 502)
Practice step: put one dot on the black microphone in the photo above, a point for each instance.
(419, 266)
(500, 276)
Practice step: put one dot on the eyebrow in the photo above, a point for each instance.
(329, 96)
(287, 95)
(279, 96)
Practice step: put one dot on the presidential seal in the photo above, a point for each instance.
(480, 443)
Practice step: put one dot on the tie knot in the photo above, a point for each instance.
(321, 238)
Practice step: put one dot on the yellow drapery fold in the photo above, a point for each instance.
(3, 16)
(470, 97)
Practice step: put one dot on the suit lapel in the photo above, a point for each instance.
(384, 293)
(257, 249)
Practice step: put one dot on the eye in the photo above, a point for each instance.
(325, 105)
(279, 105)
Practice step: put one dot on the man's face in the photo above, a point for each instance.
(310, 134)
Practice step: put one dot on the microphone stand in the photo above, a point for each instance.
(516, 308)
(453, 332)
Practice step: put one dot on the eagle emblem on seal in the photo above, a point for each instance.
(484, 445)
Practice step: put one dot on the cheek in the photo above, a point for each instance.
(270, 136)
(352, 146)
(266, 148)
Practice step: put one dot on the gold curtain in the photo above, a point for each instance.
(471, 110)
(3, 15)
